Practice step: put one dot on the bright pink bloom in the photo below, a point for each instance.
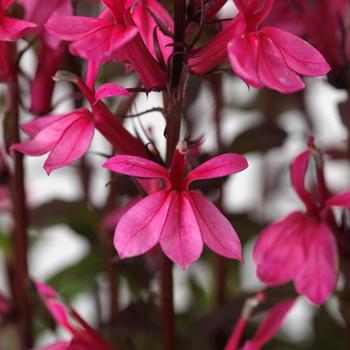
(12, 29)
(84, 336)
(302, 246)
(269, 326)
(261, 56)
(178, 218)
(112, 35)
(66, 137)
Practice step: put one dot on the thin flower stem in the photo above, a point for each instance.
(167, 297)
(19, 210)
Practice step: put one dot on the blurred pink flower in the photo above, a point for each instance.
(269, 326)
(178, 218)
(84, 336)
(113, 35)
(302, 247)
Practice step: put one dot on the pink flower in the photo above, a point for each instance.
(302, 247)
(261, 56)
(12, 29)
(178, 218)
(112, 35)
(66, 137)
(84, 336)
(269, 326)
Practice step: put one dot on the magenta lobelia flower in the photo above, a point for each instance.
(265, 56)
(113, 35)
(178, 218)
(269, 326)
(302, 246)
(66, 137)
(84, 336)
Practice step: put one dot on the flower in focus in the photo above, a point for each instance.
(302, 246)
(66, 137)
(178, 218)
(265, 56)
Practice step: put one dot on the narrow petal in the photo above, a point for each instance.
(298, 171)
(181, 238)
(279, 251)
(72, 28)
(110, 90)
(339, 200)
(217, 232)
(272, 322)
(103, 42)
(46, 139)
(273, 70)
(243, 55)
(12, 29)
(136, 166)
(222, 165)
(298, 54)
(140, 228)
(61, 345)
(34, 126)
(317, 277)
(72, 145)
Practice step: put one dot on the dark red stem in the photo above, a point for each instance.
(19, 210)
(167, 299)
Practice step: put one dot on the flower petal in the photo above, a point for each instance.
(273, 70)
(72, 144)
(72, 28)
(12, 29)
(103, 42)
(217, 232)
(278, 251)
(222, 165)
(317, 277)
(272, 322)
(46, 139)
(298, 54)
(136, 166)
(298, 171)
(181, 238)
(339, 200)
(109, 90)
(140, 228)
(34, 126)
(243, 55)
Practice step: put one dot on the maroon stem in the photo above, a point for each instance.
(19, 210)
(167, 297)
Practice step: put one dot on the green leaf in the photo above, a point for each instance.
(78, 277)
(259, 138)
